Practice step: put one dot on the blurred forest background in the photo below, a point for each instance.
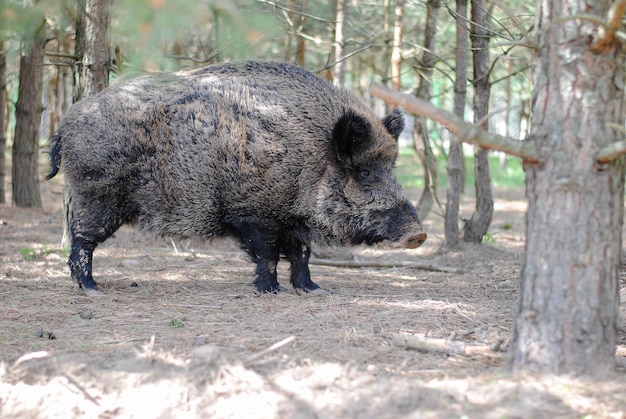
(410, 45)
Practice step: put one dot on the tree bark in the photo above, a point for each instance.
(341, 9)
(91, 69)
(396, 50)
(290, 32)
(568, 310)
(300, 44)
(455, 156)
(476, 227)
(25, 173)
(425, 91)
(3, 119)
(93, 58)
(387, 41)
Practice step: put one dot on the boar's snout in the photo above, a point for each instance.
(413, 240)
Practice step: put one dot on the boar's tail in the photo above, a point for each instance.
(55, 156)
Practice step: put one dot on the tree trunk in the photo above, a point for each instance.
(455, 157)
(91, 69)
(25, 174)
(300, 45)
(476, 227)
(396, 50)
(3, 119)
(569, 297)
(93, 58)
(291, 30)
(425, 91)
(387, 41)
(341, 9)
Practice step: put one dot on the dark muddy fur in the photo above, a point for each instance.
(266, 152)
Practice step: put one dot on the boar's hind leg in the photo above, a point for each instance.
(298, 254)
(81, 254)
(262, 247)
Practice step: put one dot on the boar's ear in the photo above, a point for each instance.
(352, 134)
(394, 123)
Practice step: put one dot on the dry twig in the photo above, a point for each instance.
(378, 264)
(441, 345)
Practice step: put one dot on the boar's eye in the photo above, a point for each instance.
(364, 174)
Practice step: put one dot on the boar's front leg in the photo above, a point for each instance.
(262, 247)
(298, 254)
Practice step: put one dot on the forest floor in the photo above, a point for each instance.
(182, 334)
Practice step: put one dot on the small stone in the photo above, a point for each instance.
(86, 314)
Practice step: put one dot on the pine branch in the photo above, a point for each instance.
(607, 31)
(614, 150)
(465, 132)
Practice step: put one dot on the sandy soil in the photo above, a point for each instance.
(182, 334)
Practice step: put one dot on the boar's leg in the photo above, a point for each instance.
(298, 254)
(262, 247)
(87, 232)
(80, 263)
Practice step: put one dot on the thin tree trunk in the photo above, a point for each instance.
(288, 51)
(508, 114)
(300, 44)
(3, 119)
(340, 19)
(476, 227)
(455, 157)
(396, 50)
(25, 173)
(387, 41)
(425, 91)
(91, 69)
(568, 311)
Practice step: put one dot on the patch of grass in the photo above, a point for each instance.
(175, 323)
(28, 253)
(489, 239)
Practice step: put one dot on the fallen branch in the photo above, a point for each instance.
(441, 345)
(270, 349)
(466, 132)
(378, 264)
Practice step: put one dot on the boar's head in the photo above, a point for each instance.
(360, 200)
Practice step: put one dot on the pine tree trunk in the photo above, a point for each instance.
(396, 50)
(91, 69)
(341, 12)
(425, 91)
(93, 57)
(455, 157)
(3, 119)
(25, 174)
(476, 227)
(567, 315)
(300, 44)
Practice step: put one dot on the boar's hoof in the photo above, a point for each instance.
(414, 240)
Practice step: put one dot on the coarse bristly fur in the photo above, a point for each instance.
(266, 152)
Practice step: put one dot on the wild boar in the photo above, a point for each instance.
(265, 152)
